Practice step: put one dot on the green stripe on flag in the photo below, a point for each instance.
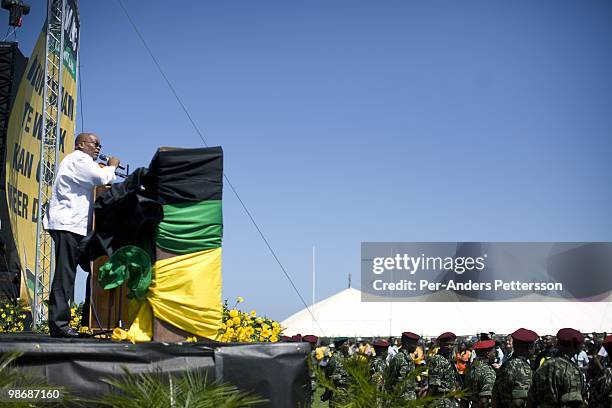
(189, 227)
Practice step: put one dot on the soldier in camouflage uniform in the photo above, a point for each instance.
(312, 340)
(442, 374)
(558, 383)
(601, 388)
(336, 372)
(402, 365)
(515, 375)
(481, 375)
(379, 368)
(378, 364)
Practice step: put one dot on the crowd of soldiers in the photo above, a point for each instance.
(551, 378)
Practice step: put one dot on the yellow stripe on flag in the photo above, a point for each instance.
(185, 292)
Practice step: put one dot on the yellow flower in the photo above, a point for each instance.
(233, 313)
(240, 299)
(253, 313)
(236, 320)
(249, 331)
(275, 325)
(273, 339)
(3, 315)
(192, 339)
(229, 323)
(259, 320)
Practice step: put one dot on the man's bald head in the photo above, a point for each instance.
(88, 143)
(81, 137)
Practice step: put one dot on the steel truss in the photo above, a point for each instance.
(49, 154)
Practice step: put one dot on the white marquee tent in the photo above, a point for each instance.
(344, 314)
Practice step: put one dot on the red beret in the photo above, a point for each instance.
(524, 336)
(484, 345)
(607, 341)
(310, 338)
(297, 338)
(410, 337)
(285, 338)
(380, 344)
(448, 336)
(569, 336)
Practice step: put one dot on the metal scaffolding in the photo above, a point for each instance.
(49, 154)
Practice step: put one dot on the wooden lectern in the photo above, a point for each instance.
(109, 308)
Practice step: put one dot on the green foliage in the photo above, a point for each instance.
(12, 316)
(191, 390)
(147, 390)
(76, 317)
(13, 379)
(363, 392)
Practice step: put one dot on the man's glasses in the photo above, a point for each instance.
(94, 143)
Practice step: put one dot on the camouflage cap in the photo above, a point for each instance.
(340, 341)
(484, 336)
(570, 336)
(524, 336)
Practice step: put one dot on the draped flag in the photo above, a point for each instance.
(185, 289)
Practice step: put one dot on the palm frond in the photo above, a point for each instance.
(12, 378)
(363, 393)
(187, 390)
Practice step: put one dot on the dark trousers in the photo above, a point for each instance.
(67, 256)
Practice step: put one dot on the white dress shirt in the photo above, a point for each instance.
(71, 202)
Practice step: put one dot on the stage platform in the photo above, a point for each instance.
(275, 371)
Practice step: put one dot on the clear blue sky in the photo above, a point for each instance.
(349, 121)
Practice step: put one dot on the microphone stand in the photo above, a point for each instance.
(125, 173)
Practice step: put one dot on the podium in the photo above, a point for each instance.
(109, 308)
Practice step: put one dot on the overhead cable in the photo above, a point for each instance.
(197, 129)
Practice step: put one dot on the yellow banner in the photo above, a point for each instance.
(25, 130)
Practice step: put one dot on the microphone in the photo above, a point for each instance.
(105, 158)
